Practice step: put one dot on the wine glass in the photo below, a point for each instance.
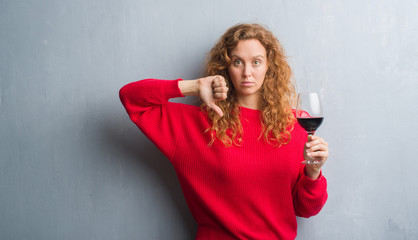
(310, 114)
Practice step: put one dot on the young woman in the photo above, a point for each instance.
(240, 156)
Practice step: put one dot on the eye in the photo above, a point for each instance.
(257, 62)
(237, 62)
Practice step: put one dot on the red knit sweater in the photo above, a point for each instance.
(254, 191)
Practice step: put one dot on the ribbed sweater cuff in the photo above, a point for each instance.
(172, 89)
(312, 184)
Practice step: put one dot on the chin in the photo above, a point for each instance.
(247, 93)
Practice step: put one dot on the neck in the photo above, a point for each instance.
(250, 102)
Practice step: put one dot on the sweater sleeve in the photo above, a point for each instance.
(309, 196)
(146, 103)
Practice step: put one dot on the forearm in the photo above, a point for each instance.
(309, 196)
(189, 87)
(138, 96)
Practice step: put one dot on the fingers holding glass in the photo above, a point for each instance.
(316, 151)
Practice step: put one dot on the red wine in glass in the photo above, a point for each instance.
(309, 113)
(310, 124)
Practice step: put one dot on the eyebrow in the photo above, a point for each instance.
(257, 56)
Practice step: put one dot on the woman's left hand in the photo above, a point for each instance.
(315, 149)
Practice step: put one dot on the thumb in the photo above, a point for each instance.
(310, 138)
(217, 109)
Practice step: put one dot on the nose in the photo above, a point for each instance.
(246, 72)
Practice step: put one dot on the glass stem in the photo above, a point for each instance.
(310, 160)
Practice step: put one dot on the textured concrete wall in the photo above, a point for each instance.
(73, 166)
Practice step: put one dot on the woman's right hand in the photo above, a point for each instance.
(210, 90)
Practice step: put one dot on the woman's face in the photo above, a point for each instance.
(248, 70)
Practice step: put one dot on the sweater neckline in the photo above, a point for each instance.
(248, 112)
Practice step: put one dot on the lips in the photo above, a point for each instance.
(247, 84)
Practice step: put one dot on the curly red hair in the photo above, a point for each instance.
(277, 93)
